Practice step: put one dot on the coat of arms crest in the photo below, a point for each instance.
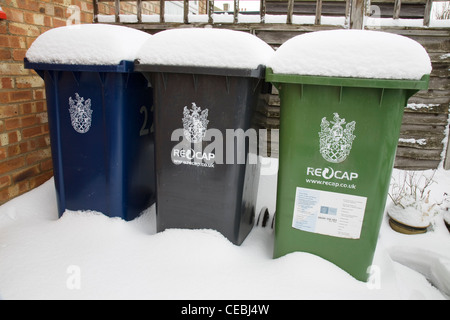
(336, 142)
(195, 123)
(80, 113)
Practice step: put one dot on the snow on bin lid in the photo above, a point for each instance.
(196, 47)
(352, 53)
(87, 44)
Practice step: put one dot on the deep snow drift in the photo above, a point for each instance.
(90, 256)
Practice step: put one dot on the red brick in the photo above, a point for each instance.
(49, 8)
(60, 12)
(4, 97)
(29, 82)
(87, 17)
(47, 165)
(11, 164)
(4, 195)
(14, 14)
(3, 152)
(8, 111)
(4, 41)
(38, 142)
(26, 108)
(18, 96)
(48, 22)
(14, 191)
(89, 7)
(57, 22)
(59, 2)
(19, 54)
(29, 41)
(38, 155)
(29, 121)
(5, 181)
(34, 18)
(24, 146)
(12, 123)
(41, 106)
(9, 41)
(25, 174)
(31, 5)
(14, 137)
(23, 29)
(5, 54)
(24, 186)
(6, 83)
(15, 150)
(32, 132)
(40, 179)
(39, 94)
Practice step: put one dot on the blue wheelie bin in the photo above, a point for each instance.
(100, 120)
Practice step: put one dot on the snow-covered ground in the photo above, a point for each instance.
(90, 256)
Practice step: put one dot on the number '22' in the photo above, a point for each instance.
(144, 130)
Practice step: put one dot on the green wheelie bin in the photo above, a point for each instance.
(338, 139)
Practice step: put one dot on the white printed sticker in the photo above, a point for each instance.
(329, 213)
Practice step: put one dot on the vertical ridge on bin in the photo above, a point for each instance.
(194, 81)
(103, 78)
(59, 174)
(227, 84)
(76, 76)
(381, 96)
(164, 79)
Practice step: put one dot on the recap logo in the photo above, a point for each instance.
(191, 154)
(329, 173)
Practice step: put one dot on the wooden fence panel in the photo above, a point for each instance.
(426, 117)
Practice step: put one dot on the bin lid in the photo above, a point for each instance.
(85, 45)
(352, 53)
(123, 67)
(421, 84)
(204, 51)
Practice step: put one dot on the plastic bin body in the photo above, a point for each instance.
(104, 164)
(331, 195)
(221, 196)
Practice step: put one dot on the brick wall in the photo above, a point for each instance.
(25, 154)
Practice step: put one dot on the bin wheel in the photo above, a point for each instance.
(263, 217)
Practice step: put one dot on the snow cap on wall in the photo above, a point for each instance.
(87, 44)
(352, 53)
(207, 47)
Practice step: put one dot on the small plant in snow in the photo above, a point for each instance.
(410, 194)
